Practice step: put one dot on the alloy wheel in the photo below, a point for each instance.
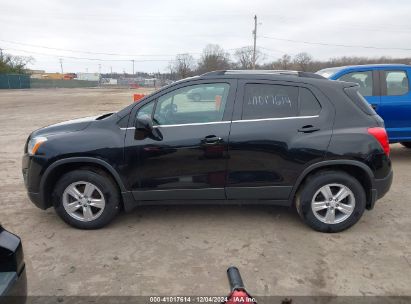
(333, 203)
(83, 201)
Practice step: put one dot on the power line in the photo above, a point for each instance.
(90, 52)
(338, 45)
(86, 58)
(275, 50)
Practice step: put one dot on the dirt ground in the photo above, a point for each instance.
(185, 250)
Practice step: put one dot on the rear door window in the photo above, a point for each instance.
(270, 101)
(278, 101)
(363, 79)
(396, 83)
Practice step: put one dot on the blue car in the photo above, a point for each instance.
(387, 88)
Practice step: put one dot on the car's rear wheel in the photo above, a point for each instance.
(86, 199)
(406, 144)
(331, 201)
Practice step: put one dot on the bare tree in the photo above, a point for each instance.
(283, 63)
(213, 58)
(183, 65)
(302, 61)
(14, 64)
(244, 56)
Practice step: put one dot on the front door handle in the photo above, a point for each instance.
(308, 129)
(211, 140)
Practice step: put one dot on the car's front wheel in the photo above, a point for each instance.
(86, 199)
(331, 201)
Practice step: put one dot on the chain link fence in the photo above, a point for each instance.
(14, 81)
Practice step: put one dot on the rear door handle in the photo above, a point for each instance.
(308, 129)
(374, 106)
(211, 140)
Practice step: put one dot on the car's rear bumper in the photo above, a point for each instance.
(381, 187)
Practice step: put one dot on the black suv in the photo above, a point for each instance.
(266, 137)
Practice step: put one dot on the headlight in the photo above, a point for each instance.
(34, 144)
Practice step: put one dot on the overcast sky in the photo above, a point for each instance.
(153, 32)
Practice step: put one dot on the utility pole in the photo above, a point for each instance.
(255, 40)
(1, 53)
(111, 70)
(133, 66)
(61, 66)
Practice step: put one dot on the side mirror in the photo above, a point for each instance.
(144, 127)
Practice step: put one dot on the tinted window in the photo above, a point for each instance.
(193, 104)
(147, 109)
(309, 105)
(359, 100)
(270, 101)
(397, 82)
(364, 80)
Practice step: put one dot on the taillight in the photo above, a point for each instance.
(381, 135)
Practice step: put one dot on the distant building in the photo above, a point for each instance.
(44, 75)
(150, 82)
(88, 76)
(108, 81)
(31, 72)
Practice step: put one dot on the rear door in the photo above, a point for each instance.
(278, 130)
(395, 106)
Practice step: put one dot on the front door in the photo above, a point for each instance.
(186, 158)
(395, 106)
(278, 130)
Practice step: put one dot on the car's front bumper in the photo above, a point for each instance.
(31, 171)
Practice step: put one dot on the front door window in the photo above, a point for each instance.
(202, 103)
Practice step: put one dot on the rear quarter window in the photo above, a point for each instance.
(359, 100)
(309, 105)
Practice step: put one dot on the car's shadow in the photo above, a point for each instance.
(206, 214)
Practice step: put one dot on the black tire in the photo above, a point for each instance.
(100, 180)
(406, 144)
(313, 184)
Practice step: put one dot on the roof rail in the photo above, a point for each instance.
(283, 72)
(262, 72)
(214, 73)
